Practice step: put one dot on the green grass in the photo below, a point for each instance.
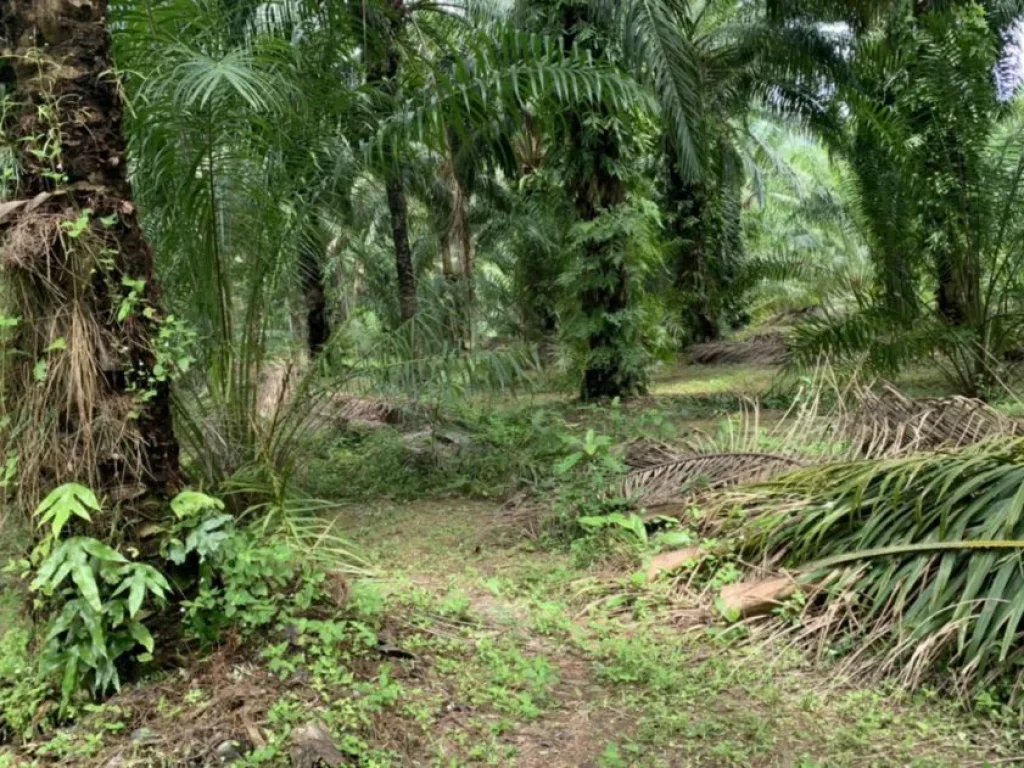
(699, 381)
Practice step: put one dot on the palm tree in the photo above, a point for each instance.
(934, 175)
(593, 164)
(92, 385)
(914, 135)
(710, 65)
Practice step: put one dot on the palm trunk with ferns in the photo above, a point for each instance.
(536, 269)
(597, 189)
(94, 387)
(605, 281)
(686, 206)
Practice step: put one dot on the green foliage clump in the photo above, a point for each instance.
(96, 595)
(22, 688)
(597, 522)
(247, 584)
(480, 452)
(101, 605)
(612, 537)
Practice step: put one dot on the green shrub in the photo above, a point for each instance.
(612, 537)
(99, 601)
(97, 596)
(22, 689)
(374, 464)
(247, 584)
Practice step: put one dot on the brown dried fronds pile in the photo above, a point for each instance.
(885, 422)
(645, 452)
(766, 349)
(26, 245)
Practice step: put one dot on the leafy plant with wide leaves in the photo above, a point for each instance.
(99, 596)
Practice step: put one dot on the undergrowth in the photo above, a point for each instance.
(468, 638)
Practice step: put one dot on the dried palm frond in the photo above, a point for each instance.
(365, 410)
(768, 349)
(524, 512)
(644, 452)
(281, 381)
(887, 422)
(679, 481)
(64, 415)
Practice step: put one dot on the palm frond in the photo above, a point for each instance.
(940, 534)
(656, 36)
(505, 71)
(679, 481)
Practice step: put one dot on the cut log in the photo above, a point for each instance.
(671, 561)
(758, 597)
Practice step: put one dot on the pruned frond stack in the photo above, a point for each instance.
(524, 512)
(644, 452)
(767, 349)
(365, 411)
(885, 422)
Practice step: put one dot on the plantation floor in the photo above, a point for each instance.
(553, 680)
(498, 652)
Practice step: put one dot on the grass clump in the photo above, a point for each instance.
(22, 689)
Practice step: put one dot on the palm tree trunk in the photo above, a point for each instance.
(605, 295)
(949, 293)
(91, 380)
(467, 256)
(398, 206)
(457, 252)
(382, 72)
(597, 189)
(536, 273)
(314, 293)
(536, 269)
(686, 206)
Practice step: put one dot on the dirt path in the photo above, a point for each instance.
(544, 687)
(452, 548)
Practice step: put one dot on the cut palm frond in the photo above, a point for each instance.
(928, 552)
(524, 513)
(884, 421)
(766, 349)
(643, 453)
(679, 481)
